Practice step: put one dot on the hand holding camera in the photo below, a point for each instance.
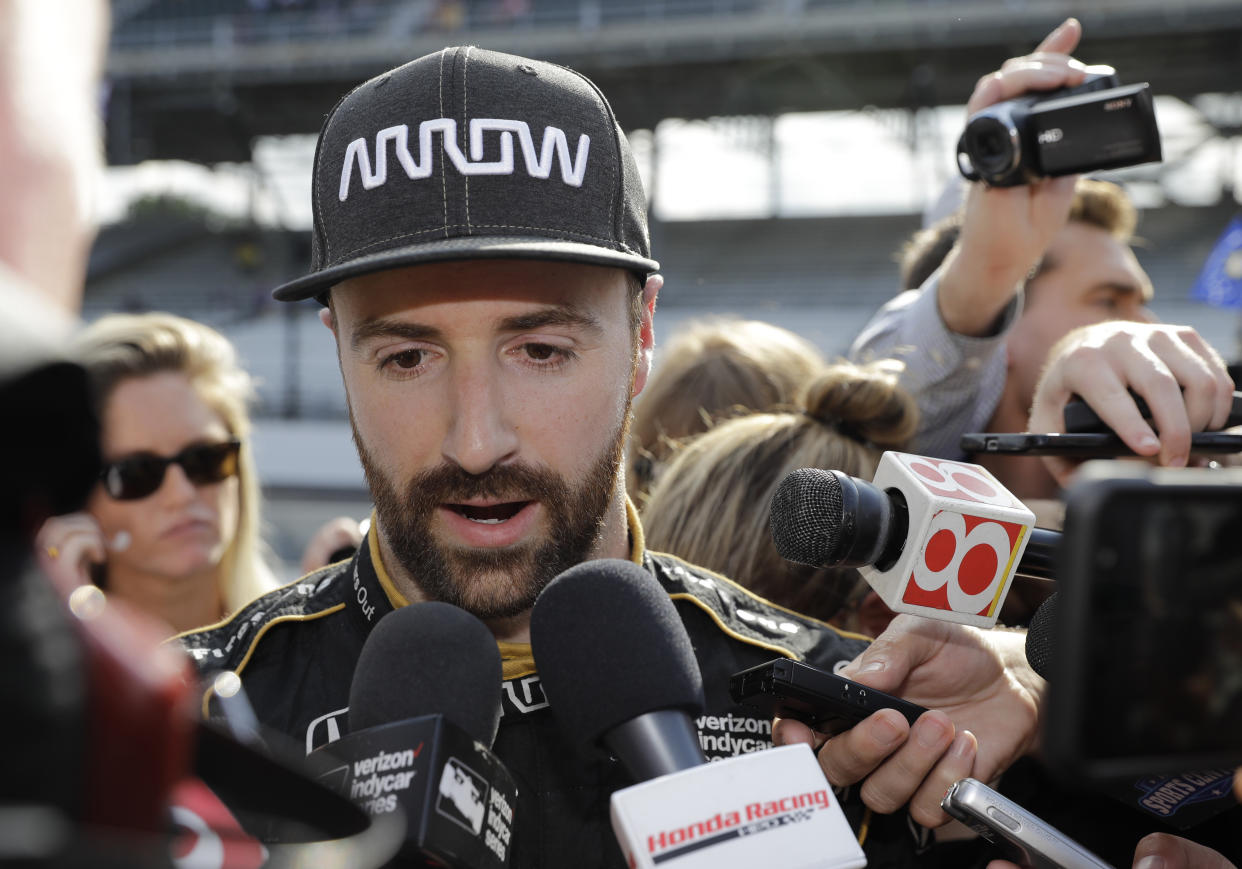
(1100, 124)
(1005, 230)
(1032, 125)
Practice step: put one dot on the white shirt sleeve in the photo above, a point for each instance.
(955, 379)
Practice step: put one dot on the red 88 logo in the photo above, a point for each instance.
(963, 564)
(958, 481)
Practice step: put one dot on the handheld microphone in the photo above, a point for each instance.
(646, 681)
(424, 708)
(619, 672)
(1039, 640)
(932, 537)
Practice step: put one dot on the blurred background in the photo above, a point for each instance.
(788, 148)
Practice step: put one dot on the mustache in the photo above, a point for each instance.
(449, 483)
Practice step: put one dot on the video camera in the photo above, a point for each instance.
(1146, 645)
(1100, 124)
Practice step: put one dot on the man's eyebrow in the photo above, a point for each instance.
(381, 327)
(559, 315)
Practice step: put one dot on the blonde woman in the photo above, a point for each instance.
(713, 369)
(172, 526)
(710, 504)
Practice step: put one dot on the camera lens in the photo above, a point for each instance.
(991, 147)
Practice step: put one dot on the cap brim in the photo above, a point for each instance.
(461, 248)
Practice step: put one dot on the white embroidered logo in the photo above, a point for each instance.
(538, 165)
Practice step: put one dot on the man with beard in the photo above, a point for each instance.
(480, 248)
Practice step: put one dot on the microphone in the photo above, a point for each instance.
(932, 537)
(619, 672)
(424, 708)
(1039, 639)
(647, 682)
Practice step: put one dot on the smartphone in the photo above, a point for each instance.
(825, 701)
(1086, 445)
(1079, 416)
(1146, 659)
(1024, 838)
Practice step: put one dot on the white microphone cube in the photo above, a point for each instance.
(766, 808)
(967, 535)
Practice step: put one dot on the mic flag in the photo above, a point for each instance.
(1220, 282)
(968, 533)
(456, 796)
(771, 807)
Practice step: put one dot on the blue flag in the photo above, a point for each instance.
(1220, 282)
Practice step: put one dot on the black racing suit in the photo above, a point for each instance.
(295, 650)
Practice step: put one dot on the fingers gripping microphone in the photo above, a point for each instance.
(424, 707)
(619, 672)
(935, 538)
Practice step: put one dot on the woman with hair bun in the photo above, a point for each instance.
(713, 369)
(710, 505)
(172, 526)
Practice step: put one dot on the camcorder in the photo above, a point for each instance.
(1147, 652)
(1099, 124)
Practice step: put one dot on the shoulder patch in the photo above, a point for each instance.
(225, 645)
(745, 615)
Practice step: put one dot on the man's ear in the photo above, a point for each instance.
(646, 332)
(326, 317)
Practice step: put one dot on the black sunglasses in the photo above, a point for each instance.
(139, 475)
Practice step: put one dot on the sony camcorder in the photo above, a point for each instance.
(1100, 124)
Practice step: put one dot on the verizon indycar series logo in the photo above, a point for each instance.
(375, 782)
(725, 736)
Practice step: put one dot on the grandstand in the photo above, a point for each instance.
(198, 79)
(821, 277)
(202, 80)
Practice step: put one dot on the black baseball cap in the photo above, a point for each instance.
(472, 154)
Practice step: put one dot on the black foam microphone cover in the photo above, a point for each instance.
(806, 517)
(830, 519)
(1039, 637)
(610, 647)
(426, 659)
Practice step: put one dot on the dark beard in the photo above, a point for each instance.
(493, 583)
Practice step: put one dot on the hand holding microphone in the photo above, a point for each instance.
(941, 540)
(985, 714)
